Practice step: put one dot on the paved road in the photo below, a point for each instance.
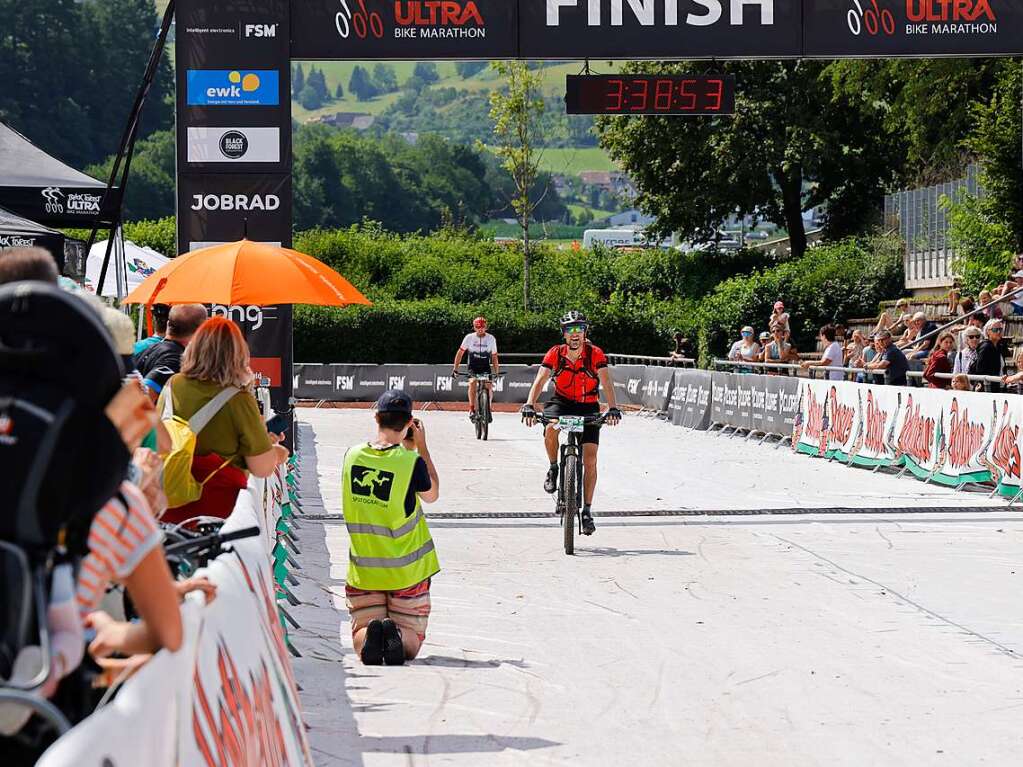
(867, 639)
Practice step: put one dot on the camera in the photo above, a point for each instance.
(410, 434)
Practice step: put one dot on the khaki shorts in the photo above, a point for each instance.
(408, 608)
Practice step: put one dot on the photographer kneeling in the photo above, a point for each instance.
(391, 555)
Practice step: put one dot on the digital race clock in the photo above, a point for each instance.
(650, 94)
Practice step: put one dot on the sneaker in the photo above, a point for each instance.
(588, 527)
(550, 484)
(373, 649)
(394, 650)
(472, 416)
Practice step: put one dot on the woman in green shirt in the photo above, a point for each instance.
(217, 358)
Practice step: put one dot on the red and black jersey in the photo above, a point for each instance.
(576, 381)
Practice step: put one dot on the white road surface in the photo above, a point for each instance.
(882, 638)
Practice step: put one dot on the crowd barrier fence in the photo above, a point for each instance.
(950, 437)
(228, 695)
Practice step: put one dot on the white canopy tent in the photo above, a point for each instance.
(131, 264)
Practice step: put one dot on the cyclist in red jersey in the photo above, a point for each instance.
(579, 369)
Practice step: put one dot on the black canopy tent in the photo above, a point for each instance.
(18, 232)
(42, 188)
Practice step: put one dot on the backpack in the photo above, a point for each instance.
(62, 458)
(179, 485)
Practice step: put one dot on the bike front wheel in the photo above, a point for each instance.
(484, 411)
(570, 496)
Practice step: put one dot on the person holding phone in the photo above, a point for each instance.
(391, 557)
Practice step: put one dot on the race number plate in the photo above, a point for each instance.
(571, 423)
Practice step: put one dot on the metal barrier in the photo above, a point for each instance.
(811, 372)
(641, 359)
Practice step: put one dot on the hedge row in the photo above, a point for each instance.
(430, 331)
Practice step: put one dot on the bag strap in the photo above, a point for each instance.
(205, 414)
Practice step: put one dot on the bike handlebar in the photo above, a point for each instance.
(588, 420)
(477, 375)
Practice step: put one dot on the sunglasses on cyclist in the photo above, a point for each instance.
(575, 329)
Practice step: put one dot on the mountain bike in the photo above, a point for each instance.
(568, 503)
(483, 408)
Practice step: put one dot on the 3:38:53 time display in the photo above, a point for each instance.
(647, 94)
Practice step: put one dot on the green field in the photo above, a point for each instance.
(573, 160)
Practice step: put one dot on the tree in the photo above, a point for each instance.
(339, 92)
(309, 98)
(792, 145)
(467, 69)
(426, 71)
(318, 82)
(150, 192)
(384, 78)
(361, 85)
(516, 111)
(297, 78)
(925, 107)
(997, 140)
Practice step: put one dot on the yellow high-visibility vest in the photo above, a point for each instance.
(388, 551)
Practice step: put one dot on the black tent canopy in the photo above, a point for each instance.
(18, 232)
(42, 188)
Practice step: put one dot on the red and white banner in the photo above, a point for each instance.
(228, 697)
(949, 437)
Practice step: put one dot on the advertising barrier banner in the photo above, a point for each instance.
(228, 695)
(690, 400)
(941, 436)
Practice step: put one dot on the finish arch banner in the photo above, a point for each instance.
(948, 437)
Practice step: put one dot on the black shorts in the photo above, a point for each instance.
(478, 363)
(559, 406)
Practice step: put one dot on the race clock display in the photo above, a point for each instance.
(650, 94)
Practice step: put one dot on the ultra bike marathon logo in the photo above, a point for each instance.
(79, 203)
(1005, 450)
(965, 437)
(922, 17)
(916, 438)
(416, 19)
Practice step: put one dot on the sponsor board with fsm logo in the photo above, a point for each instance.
(231, 145)
(233, 87)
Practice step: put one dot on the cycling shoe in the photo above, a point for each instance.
(550, 484)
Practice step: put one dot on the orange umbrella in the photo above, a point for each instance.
(246, 273)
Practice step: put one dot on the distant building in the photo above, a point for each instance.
(356, 120)
(411, 137)
(613, 181)
(630, 218)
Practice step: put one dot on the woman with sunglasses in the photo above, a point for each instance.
(746, 349)
(988, 361)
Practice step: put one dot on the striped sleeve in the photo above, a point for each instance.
(122, 533)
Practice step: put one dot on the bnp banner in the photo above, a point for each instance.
(941, 436)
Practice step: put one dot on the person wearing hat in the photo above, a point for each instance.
(746, 349)
(779, 317)
(391, 557)
(889, 359)
(988, 361)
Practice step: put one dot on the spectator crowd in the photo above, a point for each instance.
(972, 345)
(192, 370)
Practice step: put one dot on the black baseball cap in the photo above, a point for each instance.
(394, 401)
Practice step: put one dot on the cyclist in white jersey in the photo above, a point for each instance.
(482, 350)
